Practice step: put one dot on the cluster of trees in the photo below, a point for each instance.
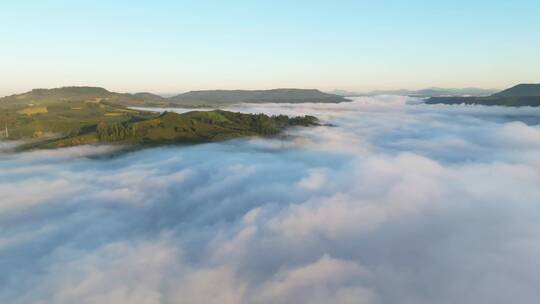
(115, 131)
(304, 121)
(269, 125)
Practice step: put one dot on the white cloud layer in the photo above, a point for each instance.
(397, 202)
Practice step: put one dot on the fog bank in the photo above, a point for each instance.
(396, 202)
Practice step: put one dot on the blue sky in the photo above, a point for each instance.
(174, 46)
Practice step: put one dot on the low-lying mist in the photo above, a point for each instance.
(391, 202)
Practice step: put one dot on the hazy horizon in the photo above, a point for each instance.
(169, 94)
(175, 46)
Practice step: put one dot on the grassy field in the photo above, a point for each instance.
(33, 110)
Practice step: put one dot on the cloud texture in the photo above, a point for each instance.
(397, 202)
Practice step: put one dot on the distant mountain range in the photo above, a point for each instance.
(429, 92)
(190, 99)
(519, 95)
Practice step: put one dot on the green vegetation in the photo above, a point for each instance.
(61, 118)
(49, 123)
(517, 96)
(33, 110)
(197, 126)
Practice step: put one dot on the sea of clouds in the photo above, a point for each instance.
(391, 202)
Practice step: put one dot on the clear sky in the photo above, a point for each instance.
(174, 46)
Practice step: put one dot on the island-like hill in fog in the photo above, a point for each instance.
(517, 96)
(73, 116)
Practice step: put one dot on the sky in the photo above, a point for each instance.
(174, 46)
(394, 202)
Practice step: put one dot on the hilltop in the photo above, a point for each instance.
(225, 97)
(517, 96)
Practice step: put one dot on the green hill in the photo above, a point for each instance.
(517, 96)
(53, 123)
(224, 97)
(197, 126)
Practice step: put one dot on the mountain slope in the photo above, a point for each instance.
(520, 90)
